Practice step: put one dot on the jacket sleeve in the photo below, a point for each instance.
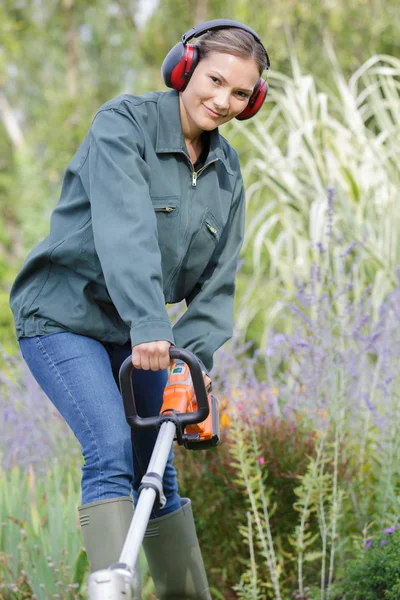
(208, 321)
(124, 225)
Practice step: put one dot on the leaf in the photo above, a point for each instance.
(311, 556)
(80, 569)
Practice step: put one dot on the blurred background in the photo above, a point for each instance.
(61, 59)
(309, 388)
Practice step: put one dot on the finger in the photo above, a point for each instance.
(136, 359)
(164, 359)
(154, 361)
(144, 360)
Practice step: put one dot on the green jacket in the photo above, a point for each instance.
(136, 228)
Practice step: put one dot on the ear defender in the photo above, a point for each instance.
(179, 64)
(256, 101)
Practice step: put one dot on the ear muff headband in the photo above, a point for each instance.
(223, 24)
(181, 61)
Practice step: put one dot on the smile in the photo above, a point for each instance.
(212, 113)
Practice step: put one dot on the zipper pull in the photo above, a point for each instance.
(211, 228)
(194, 179)
(166, 209)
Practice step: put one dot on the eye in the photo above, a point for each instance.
(243, 95)
(214, 79)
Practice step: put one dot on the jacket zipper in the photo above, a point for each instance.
(195, 174)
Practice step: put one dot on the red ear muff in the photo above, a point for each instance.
(179, 64)
(256, 101)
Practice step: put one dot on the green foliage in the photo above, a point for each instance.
(208, 479)
(58, 64)
(6, 322)
(40, 547)
(252, 479)
(285, 449)
(41, 552)
(376, 576)
(279, 462)
(358, 28)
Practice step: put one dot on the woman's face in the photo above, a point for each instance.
(219, 90)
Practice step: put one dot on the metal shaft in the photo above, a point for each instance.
(137, 529)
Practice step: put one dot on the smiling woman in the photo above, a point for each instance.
(222, 82)
(218, 91)
(151, 212)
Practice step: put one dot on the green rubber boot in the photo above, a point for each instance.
(104, 527)
(174, 558)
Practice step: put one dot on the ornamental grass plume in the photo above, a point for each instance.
(312, 137)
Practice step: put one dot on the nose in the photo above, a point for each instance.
(221, 100)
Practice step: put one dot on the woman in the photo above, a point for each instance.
(151, 211)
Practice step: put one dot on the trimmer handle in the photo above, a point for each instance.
(184, 419)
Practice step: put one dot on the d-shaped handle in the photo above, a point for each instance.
(184, 419)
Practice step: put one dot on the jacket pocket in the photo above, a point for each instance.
(87, 250)
(213, 226)
(166, 209)
(77, 252)
(199, 253)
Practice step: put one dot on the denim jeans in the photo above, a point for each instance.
(80, 376)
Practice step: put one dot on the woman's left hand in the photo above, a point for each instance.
(207, 381)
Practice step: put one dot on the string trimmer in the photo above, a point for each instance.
(188, 416)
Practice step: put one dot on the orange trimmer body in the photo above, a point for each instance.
(179, 397)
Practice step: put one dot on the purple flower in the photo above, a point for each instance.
(25, 413)
(383, 542)
(368, 544)
(389, 530)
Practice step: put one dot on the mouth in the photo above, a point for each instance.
(212, 113)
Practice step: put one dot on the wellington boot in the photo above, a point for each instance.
(104, 527)
(174, 558)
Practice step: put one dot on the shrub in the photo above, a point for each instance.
(377, 575)
(213, 482)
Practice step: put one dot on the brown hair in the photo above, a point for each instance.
(234, 41)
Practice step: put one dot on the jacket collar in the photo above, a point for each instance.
(169, 131)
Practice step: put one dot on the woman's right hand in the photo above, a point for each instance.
(151, 355)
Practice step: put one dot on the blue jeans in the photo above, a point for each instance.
(80, 376)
